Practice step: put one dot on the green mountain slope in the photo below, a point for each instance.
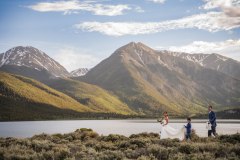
(150, 81)
(92, 96)
(22, 97)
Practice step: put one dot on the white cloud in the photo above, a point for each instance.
(71, 58)
(211, 21)
(139, 9)
(229, 7)
(229, 48)
(74, 6)
(158, 1)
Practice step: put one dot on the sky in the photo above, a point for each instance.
(81, 33)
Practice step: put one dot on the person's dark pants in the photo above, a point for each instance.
(212, 131)
(188, 136)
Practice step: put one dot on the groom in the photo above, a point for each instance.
(212, 120)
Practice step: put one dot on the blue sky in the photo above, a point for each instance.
(81, 33)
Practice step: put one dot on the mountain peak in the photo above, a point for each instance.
(134, 47)
(33, 58)
(79, 72)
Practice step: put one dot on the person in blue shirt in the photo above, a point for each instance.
(188, 129)
(212, 121)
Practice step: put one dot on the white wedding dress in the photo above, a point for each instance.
(169, 132)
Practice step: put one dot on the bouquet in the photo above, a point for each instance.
(160, 120)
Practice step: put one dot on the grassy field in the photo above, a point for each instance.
(87, 144)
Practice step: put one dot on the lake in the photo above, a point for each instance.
(25, 129)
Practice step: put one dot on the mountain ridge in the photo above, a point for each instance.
(146, 81)
(31, 59)
(212, 61)
(163, 81)
(79, 72)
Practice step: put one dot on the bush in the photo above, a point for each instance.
(169, 142)
(236, 149)
(151, 157)
(234, 139)
(207, 147)
(61, 152)
(136, 153)
(103, 146)
(187, 148)
(221, 152)
(140, 142)
(110, 155)
(114, 138)
(145, 135)
(158, 152)
(48, 155)
(86, 144)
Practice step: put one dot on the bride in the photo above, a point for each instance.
(169, 132)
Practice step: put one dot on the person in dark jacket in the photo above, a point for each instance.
(188, 129)
(212, 121)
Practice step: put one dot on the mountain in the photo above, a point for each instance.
(31, 62)
(79, 72)
(23, 98)
(151, 82)
(94, 97)
(213, 61)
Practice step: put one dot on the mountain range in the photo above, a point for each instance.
(79, 72)
(213, 61)
(161, 81)
(32, 62)
(134, 80)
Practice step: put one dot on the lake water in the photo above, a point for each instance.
(104, 127)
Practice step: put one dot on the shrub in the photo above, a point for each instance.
(221, 152)
(86, 144)
(110, 155)
(48, 155)
(186, 148)
(38, 145)
(61, 152)
(145, 135)
(123, 144)
(114, 138)
(140, 142)
(207, 147)
(194, 136)
(234, 139)
(103, 146)
(158, 152)
(42, 136)
(134, 154)
(19, 152)
(236, 149)
(169, 142)
(151, 157)
(1, 153)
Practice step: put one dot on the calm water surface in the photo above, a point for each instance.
(105, 127)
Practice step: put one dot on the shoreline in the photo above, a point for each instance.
(173, 120)
(105, 127)
(151, 120)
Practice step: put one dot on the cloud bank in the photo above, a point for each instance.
(228, 48)
(211, 21)
(229, 7)
(75, 6)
